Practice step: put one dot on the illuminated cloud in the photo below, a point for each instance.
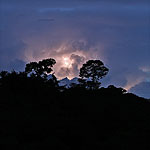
(114, 31)
(145, 69)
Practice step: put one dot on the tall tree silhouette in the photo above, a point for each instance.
(41, 68)
(93, 70)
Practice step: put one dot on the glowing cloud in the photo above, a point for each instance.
(67, 62)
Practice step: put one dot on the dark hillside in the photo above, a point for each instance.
(35, 115)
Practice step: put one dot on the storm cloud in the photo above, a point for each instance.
(117, 32)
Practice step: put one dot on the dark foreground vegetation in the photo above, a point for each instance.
(36, 113)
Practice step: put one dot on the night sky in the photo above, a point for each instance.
(73, 31)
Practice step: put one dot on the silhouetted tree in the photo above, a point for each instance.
(93, 71)
(41, 68)
(116, 90)
(53, 81)
(3, 74)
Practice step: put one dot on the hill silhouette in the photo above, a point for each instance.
(37, 114)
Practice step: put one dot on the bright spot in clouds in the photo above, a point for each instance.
(67, 62)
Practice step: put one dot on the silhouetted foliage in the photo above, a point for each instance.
(3, 74)
(36, 114)
(93, 71)
(41, 68)
(115, 90)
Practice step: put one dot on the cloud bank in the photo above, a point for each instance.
(117, 32)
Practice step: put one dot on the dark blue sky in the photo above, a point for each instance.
(115, 31)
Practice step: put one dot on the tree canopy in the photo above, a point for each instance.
(93, 71)
(41, 68)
